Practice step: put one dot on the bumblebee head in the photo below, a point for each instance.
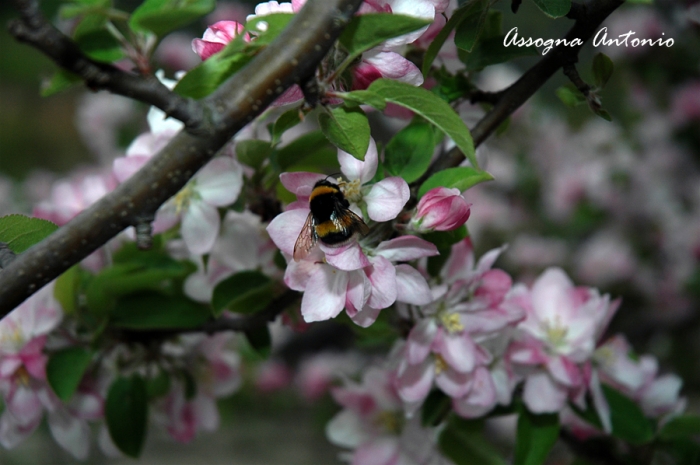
(326, 183)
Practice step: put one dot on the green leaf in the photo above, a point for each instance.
(446, 239)
(409, 152)
(536, 436)
(570, 97)
(20, 232)
(65, 370)
(451, 87)
(158, 385)
(461, 177)
(369, 30)
(253, 152)
(245, 292)
(435, 408)
(260, 340)
(206, 77)
(432, 108)
(96, 41)
(126, 412)
(628, 420)
(157, 274)
(65, 290)
(491, 51)
(163, 16)
(469, 29)
(681, 427)
(603, 114)
(363, 97)
(312, 149)
(602, 69)
(287, 120)
(347, 129)
(463, 442)
(554, 8)
(152, 310)
(60, 81)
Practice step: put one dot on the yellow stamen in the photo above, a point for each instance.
(392, 422)
(351, 189)
(22, 376)
(451, 322)
(182, 199)
(440, 364)
(556, 332)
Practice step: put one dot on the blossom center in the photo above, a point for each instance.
(440, 364)
(12, 336)
(451, 322)
(556, 332)
(351, 189)
(183, 198)
(391, 422)
(22, 376)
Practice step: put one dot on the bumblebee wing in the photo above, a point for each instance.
(306, 240)
(351, 222)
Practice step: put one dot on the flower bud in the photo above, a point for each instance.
(216, 37)
(441, 209)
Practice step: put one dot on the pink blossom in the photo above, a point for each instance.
(361, 279)
(685, 104)
(424, 9)
(216, 185)
(441, 209)
(216, 369)
(243, 244)
(23, 385)
(558, 336)
(372, 424)
(638, 378)
(444, 347)
(70, 197)
(161, 130)
(377, 63)
(272, 375)
(216, 37)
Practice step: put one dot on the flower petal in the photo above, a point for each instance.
(414, 381)
(411, 286)
(387, 198)
(382, 275)
(220, 181)
(324, 297)
(353, 168)
(284, 229)
(406, 248)
(420, 340)
(347, 258)
(200, 227)
(542, 394)
(365, 317)
(300, 183)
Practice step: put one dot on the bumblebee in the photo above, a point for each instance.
(330, 220)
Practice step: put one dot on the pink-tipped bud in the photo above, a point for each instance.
(216, 37)
(441, 209)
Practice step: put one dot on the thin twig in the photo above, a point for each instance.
(291, 58)
(33, 29)
(572, 73)
(588, 19)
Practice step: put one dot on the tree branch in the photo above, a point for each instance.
(33, 28)
(290, 59)
(588, 18)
